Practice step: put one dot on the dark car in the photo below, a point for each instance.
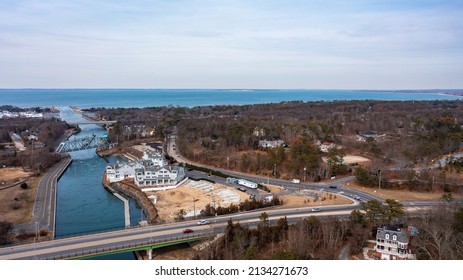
(333, 187)
(187, 230)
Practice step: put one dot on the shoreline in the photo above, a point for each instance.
(140, 197)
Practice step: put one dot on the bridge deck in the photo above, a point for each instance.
(92, 122)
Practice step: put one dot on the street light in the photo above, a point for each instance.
(305, 174)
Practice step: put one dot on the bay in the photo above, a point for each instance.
(126, 98)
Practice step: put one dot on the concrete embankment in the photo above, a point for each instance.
(140, 197)
(66, 163)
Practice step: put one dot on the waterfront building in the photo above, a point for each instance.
(159, 176)
(152, 170)
(121, 171)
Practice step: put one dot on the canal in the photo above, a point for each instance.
(83, 205)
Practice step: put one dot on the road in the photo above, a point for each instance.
(139, 237)
(287, 185)
(352, 194)
(158, 233)
(45, 200)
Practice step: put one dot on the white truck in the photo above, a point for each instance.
(296, 181)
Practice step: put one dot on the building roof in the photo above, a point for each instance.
(401, 233)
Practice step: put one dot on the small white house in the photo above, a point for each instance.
(271, 144)
(327, 146)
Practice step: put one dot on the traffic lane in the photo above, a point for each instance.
(155, 230)
(176, 230)
(140, 237)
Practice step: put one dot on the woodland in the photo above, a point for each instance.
(409, 136)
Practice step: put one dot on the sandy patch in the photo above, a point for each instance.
(24, 199)
(188, 198)
(351, 159)
(290, 201)
(274, 189)
(400, 195)
(12, 174)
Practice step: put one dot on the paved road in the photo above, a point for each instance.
(289, 187)
(137, 237)
(45, 200)
(98, 242)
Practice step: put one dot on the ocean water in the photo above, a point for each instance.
(112, 98)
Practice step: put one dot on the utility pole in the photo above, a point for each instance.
(228, 163)
(379, 177)
(194, 207)
(32, 156)
(275, 170)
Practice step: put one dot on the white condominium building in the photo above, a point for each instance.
(151, 170)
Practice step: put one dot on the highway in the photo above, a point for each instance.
(139, 237)
(91, 244)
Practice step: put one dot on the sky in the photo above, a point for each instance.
(293, 44)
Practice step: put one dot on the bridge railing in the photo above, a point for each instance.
(126, 246)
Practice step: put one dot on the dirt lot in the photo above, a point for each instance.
(15, 203)
(400, 195)
(291, 201)
(274, 189)
(170, 202)
(351, 159)
(11, 174)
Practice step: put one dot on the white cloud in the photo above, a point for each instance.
(258, 44)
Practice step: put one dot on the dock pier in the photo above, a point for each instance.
(126, 209)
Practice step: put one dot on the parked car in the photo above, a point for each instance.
(187, 230)
(316, 209)
(333, 187)
(203, 222)
(241, 189)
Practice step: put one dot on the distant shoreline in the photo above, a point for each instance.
(122, 98)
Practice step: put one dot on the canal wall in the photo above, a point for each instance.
(67, 162)
(140, 197)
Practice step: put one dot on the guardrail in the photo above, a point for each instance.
(131, 246)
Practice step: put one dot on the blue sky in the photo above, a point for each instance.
(384, 44)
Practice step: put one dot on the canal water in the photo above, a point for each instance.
(83, 205)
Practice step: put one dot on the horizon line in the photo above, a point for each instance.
(237, 89)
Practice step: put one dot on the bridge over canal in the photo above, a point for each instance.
(93, 122)
(84, 143)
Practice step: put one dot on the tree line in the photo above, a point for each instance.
(413, 132)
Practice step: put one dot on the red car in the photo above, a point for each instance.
(187, 230)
